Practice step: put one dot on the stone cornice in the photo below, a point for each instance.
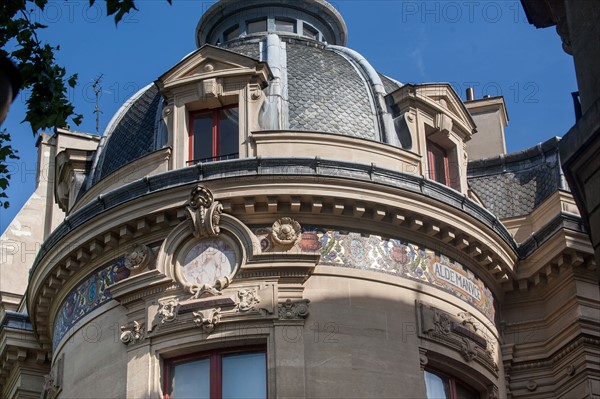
(256, 167)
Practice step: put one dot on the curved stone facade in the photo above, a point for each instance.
(349, 248)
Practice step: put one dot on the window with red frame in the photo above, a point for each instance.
(231, 373)
(214, 134)
(438, 163)
(441, 386)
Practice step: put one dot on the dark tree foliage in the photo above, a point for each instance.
(47, 105)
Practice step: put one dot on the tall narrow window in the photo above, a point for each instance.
(217, 374)
(440, 386)
(438, 163)
(214, 135)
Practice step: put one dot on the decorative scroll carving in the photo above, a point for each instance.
(207, 319)
(463, 334)
(137, 258)
(249, 300)
(132, 333)
(204, 212)
(468, 321)
(493, 392)
(467, 349)
(50, 388)
(442, 322)
(208, 290)
(168, 310)
(286, 232)
(293, 310)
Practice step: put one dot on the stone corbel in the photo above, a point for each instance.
(207, 319)
(132, 333)
(204, 213)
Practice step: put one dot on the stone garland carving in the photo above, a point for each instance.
(167, 311)
(132, 333)
(137, 258)
(286, 232)
(207, 319)
(296, 310)
(249, 300)
(204, 212)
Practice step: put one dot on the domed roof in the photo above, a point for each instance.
(327, 88)
(137, 129)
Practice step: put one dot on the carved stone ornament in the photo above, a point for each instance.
(50, 388)
(132, 333)
(208, 290)
(249, 300)
(467, 349)
(204, 213)
(443, 323)
(468, 321)
(138, 257)
(493, 392)
(168, 310)
(286, 232)
(289, 310)
(207, 319)
(532, 385)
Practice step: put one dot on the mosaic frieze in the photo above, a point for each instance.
(88, 296)
(391, 256)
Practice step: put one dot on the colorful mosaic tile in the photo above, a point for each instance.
(88, 296)
(403, 259)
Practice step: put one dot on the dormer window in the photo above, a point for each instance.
(284, 25)
(214, 135)
(256, 26)
(438, 163)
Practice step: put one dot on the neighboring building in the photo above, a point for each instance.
(274, 217)
(577, 24)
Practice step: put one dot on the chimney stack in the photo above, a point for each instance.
(470, 94)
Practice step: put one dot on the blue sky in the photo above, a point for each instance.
(485, 44)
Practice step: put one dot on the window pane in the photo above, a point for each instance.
(232, 33)
(244, 376)
(191, 380)
(463, 392)
(438, 387)
(310, 32)
(285, 26)
(257, 26)
(202, 136)
(229, 133)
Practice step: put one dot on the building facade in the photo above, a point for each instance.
(273, 217)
